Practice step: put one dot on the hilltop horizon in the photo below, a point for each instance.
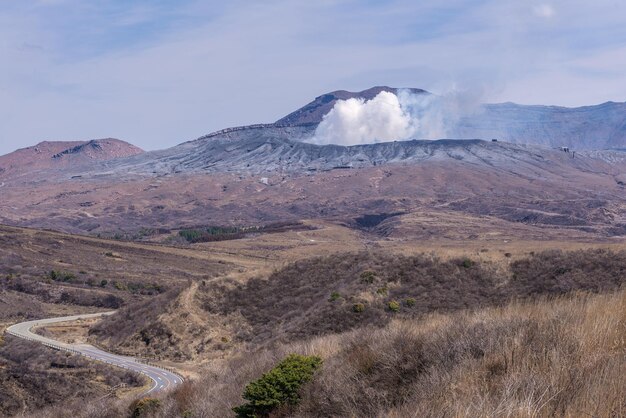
(314, 111)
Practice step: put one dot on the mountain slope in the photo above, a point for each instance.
(264, 150)
(313, 112)
(596, 127)
(260, 174)
(583, 128)
(64, 154)
(252, 177)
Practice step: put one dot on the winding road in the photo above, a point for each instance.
(161, 379)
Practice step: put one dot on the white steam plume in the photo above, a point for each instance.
(356, 121)
(390, 117)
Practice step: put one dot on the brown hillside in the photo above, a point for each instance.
(60, 154)
(560, 357)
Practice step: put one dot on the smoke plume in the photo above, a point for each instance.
(391, 117)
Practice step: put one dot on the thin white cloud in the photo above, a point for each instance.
(544, 10)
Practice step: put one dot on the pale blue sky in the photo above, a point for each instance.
(156, 73)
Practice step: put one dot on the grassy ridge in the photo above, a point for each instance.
(338, 293)
(323, 296)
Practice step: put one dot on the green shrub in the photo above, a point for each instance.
(144, 407)
(334, 296)
(410, 302)
(103, 283)
(120, 286)
(467, 263)
(368, 276)
(383, 291)
(61, 276)
(394, 306)
(278, 387)
(358, 307)
(216, 233)
(190, 234)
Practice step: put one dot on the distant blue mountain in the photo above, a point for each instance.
(586, 128)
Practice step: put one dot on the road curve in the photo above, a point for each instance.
(161, 379)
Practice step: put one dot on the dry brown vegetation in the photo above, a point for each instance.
(547, 358)
(551, 357)
(46, 268)
(89, 275)
(73, 262)
(221, 306)
(317, 296)
(321, 296)
(138, 325)
(33, 377)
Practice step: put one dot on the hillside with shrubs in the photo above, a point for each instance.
(322, 296)
(381, 334)
(33, 376)
(552, 357)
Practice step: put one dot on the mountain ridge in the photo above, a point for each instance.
(314, 111)
(496, 120)
(268, 173)
(590, 127)
(64, 154)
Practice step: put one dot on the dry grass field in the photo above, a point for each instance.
(207, 308)
(544, 358)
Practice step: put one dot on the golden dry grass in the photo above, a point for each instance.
(562, 357)
(470, 387)
(548, 358)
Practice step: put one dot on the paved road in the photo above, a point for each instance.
(161, 379)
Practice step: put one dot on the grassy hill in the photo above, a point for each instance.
(549, 357)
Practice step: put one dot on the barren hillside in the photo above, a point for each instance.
(63, 155)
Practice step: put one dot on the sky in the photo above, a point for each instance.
(160, 72)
